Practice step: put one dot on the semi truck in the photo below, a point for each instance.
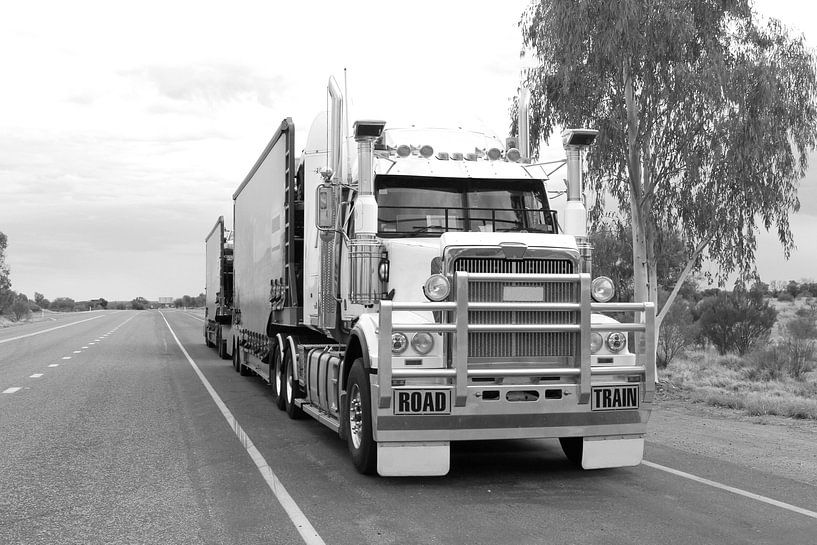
(410, 285)
(218, 311)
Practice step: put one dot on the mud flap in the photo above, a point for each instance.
(601, 452)
(413, 459)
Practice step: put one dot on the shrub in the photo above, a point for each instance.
(736, 321)
(678, 332)
(785, 297)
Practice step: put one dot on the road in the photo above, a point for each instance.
(123, 443)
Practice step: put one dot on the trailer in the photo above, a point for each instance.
(423, 291)
(218, 312)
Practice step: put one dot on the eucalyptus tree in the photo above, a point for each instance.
(706, 116)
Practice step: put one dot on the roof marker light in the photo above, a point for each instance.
(514, 155)
(471, 157)
(426, 151)
(494, 154)
(456, 156)
(403, 150)
(442, 156)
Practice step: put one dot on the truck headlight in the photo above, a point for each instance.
(616, 341)
(399, 343)
(422, 343)
(437, 288)
(595, 342)
(602, 289)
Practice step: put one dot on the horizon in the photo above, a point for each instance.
(126, 133)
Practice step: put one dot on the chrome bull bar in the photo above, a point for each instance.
(459, 371)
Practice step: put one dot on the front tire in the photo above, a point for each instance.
(357, 419)
(573, 447)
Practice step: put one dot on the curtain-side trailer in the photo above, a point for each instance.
(426, 293)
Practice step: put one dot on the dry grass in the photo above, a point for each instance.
(729, 381)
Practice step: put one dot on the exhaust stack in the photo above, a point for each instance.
(524, 124)
(575, 143)
(335, 127)
(365, 249)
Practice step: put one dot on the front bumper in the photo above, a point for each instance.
(561, 405)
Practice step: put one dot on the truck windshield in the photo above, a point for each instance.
(428, 206)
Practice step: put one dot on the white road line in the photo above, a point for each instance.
(54, 365)
(11, 390)
(733, 490)
(36, 375)
(66, 357)
(302, 524)
(84, 347)
(77, 351)
(47, 330)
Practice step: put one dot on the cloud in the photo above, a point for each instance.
(211, 82)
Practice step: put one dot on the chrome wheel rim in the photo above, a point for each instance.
(355, 416)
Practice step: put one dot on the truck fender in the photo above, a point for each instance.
(366, 331)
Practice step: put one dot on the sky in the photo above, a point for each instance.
(126, 127)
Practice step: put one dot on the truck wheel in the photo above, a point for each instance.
(277, 379)
(220, 344)
(236, 357)
(572, 447)
(357, 419)
(292, 390)
(242, 369)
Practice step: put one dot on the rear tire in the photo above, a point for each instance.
(292, 389)
(235, 358)
(573, 447)
(357, 420)
(277, 378)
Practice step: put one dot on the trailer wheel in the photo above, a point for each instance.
(357, 420)
(236, 357)
(243, 370)
(277, 379)
(573, 447)
(292, 389)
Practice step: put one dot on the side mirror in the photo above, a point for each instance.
(325, 206)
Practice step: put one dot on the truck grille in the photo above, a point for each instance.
(510, 346)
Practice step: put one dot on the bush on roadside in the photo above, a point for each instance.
(736, 321)
(678, 332)
(785, 297)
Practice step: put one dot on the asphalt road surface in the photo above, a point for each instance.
(108, 434)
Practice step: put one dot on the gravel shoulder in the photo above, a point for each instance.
(775, 445)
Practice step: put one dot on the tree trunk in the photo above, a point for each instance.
(639, 222)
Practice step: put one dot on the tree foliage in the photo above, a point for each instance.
(6, 295)
(705, 115)
(40, 300)
(139, 303)
(736, 321)
(62, 304)
(20, 307)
